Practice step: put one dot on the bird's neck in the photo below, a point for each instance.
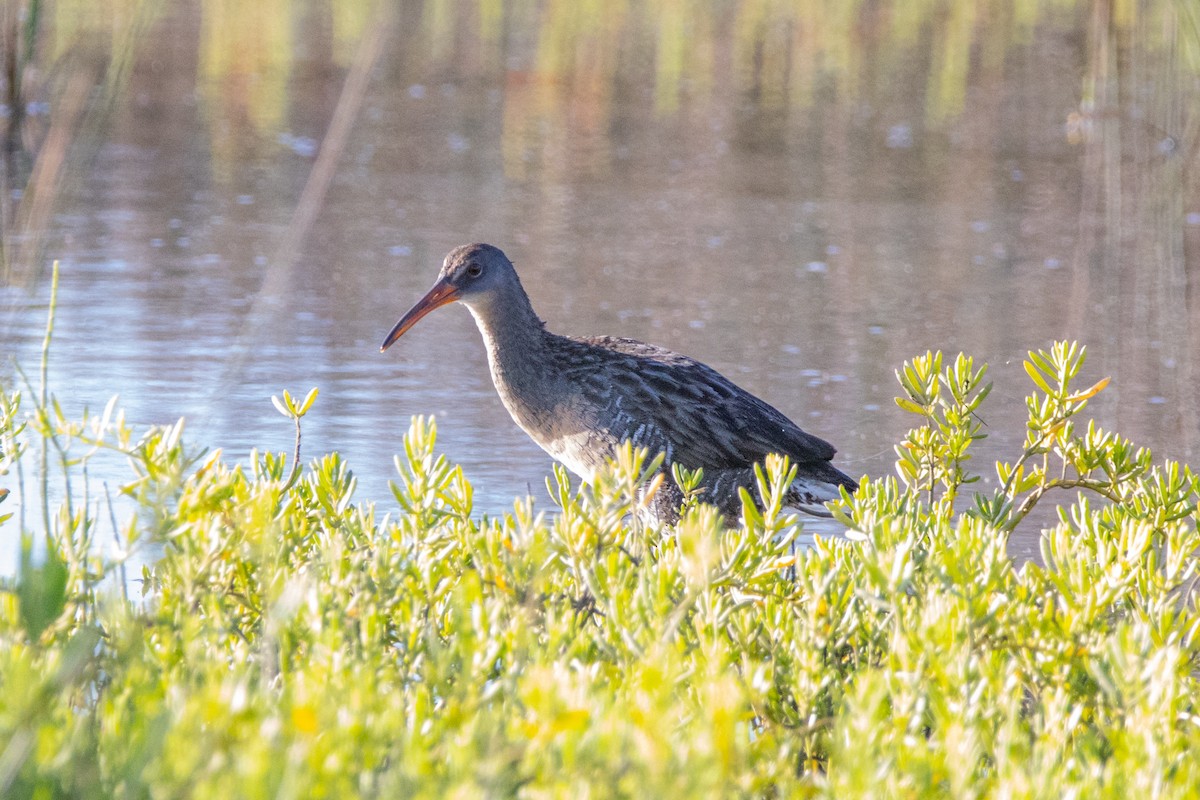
(514, 335)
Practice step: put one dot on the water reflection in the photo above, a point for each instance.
(802, 195)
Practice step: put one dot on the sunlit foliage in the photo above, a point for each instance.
(286, 641)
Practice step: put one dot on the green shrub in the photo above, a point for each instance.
(289, 642)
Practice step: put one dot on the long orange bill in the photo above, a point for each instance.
(441, 294)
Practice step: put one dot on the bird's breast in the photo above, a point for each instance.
(577, 416)
(571, 430)
(581, 452)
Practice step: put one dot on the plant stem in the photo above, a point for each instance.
(295, 460)
(43, 394)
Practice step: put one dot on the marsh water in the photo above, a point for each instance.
(244, 197)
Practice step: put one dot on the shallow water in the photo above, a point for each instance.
(801, 197)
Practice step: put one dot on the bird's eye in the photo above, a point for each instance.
(474, 270)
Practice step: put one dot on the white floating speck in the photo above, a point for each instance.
(416, 91)
(900, 137)
(304, 146)
(817, 266)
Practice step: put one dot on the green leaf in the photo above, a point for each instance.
(1036, 375)
(308, 401)
(41, 589)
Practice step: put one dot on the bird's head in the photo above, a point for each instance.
(472, 273)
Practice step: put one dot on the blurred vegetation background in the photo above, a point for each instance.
(789, 75)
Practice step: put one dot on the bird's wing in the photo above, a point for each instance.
(708, 420)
